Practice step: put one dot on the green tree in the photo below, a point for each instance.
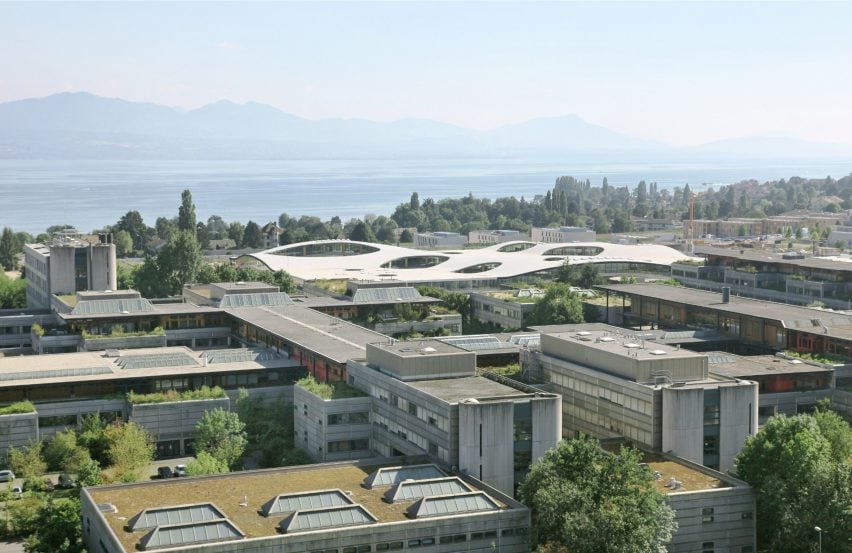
(252, 236)
(89, 474)
(186, 212)
(8, 249)
(63, 453)
(132, 223)
(406, 237)
(221, 434)
(123, 243)
(362, 232)
(179, 261)
(165, 227)
(205, 463)
(92, 436)
(802, 478)
(586, 500)
(235, 232)
(13, 292)
(129, 449)
(58, 528)
(26, 461)
(558, 306)
(589, 275)
(840, 245)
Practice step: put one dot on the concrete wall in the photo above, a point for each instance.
(313, 433)
(683, 423)
(723, 516)
(122, 342)
(547, 425)
(76, 409)
(738, 420)
(62, 270)
(17, 430)
(486, 442)
(102, 267)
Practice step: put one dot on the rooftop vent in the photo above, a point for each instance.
(584, 333)
(657, 352)
(607, 339)
(631, 345)
(107, 508)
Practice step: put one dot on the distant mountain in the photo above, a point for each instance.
(85, 126)
(774, 147)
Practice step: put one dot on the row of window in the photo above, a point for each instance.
(428, 541)
(360, 417)
(410, 407)
(406, 434)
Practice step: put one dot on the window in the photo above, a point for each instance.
(456, 538)
(382, 546)
(412, 409)
(348, 445)
(360, 417)
(748, 515)
(476, 536)
(508, 532)
(747, 549)
(707, 547)
(707, 514)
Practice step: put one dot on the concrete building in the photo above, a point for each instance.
(778, 224)
(354, 507)
(758, 326)
(615, 385)
(495, 236)
(841, 234)
(505, 308)
(67, 266)
(64, 387)
(425, 399)
(552, 235)
(655, 224)
(714, 511)
(428, 240)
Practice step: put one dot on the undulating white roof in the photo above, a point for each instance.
(344, 259)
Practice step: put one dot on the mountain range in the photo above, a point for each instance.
(85, 126)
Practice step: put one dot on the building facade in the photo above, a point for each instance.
(562, 234)
(427, 240)
(495, 236)
(67, 266)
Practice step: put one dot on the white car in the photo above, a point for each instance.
(6, 475)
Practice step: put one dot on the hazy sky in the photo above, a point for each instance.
(681, 72)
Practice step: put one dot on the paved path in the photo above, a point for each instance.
(11, 546)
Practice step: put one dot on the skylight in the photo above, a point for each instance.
(291, 503)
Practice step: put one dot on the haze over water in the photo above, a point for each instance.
(92, 194)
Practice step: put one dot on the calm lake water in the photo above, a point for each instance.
(91, 194)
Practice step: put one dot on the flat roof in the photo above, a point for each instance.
(454, 390)
(256, 488)
(68, 368)
(619, 341)
(418, 348)
(161, 309)
(248, 285)
(833, 263)
(736, 366)
(818, 321)
(328, 336)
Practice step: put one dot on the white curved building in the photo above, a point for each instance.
(471, 268)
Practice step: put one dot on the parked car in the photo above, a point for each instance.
(165, 472)
(6, 475)
(180, 470)
(65, 481)
(17, 492)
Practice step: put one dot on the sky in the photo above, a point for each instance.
(679, 72)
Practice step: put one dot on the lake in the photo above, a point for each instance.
(92, 194)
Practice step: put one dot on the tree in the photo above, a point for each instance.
(586, 500)
(840, 245)
(589, 275)
(8, 249)
(221, 434)
(89, 474)
(132, 223)
(558, 306)
(26, 461)
(414, 202)
(235, 232)
(205, 463)
(179, 261)
(13, 292)
(252, 236)
(405, 236)
(362, 232)
(123, 243)
(57, 529)
(92, 436)
(63, 454)
(129, 449)
(802, 475)
(165, 227)
(186, 212)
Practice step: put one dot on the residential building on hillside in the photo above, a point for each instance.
(778, 224)
(354, 507)
(562, 234)
(271, 233)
